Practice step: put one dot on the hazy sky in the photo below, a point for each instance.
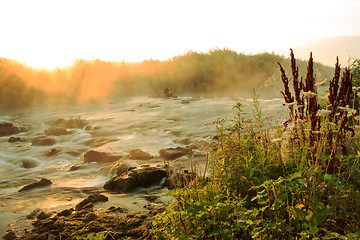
(52, 33)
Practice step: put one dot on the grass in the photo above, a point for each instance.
(295, 181)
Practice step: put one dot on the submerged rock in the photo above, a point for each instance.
(43, 141)
(99, 157)
(70, 123)
(42, 183)
(7, 128)
(135, 178)
(56, 131)
(53, 152)
(139, 154)
(14, 139)
(93, 198)
(173, 153)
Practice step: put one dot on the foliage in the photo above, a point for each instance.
(282, 182)
(355, 69)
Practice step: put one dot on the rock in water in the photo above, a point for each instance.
(139, 154)
(93, 198)
(56, 131)
(7, 128)
(14, 139)
(43, 141)
(173, 153)
(42, 183)
(99, 157)
(135, 178)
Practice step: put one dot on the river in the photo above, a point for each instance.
(116, 126)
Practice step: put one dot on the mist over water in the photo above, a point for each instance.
(125, 107)
(220, 73)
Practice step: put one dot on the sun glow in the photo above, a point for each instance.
(50, 34)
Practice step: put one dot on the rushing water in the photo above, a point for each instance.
(118, 126)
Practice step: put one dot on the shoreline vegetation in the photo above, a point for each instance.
(299, 180)
(219, 72)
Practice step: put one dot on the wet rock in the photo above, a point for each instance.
(28, 163)
(74, 168)
(119, 209)
(173, 153)
(53, 152)
(139, 154)
(10, 235)
(185, 102)
(99, 157)
(65, 213)
(90, 217)
(56, 131)
(43, 215)
(14, 139)
(43, 141)
(33, 214)
(70, 123)
(7, 128)
(93, 198)
(42, 183)
(135, 178)
(123, 183)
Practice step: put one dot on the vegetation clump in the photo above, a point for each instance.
(295, 181)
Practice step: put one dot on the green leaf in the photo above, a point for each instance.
(293, 176)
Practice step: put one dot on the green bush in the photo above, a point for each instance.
(295, 181)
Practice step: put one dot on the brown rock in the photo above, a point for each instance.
(70, 123)
(14, 139)
(139, 154)
(135, 178)
(99, 157)
(173, 153)
(7, 128)
(10, 235)
(43, 141)
(93, 198)
(56, 131)
(42, 183)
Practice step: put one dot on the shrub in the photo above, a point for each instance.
(294, 181)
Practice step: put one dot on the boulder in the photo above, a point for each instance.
(70, 123)
(42, 183)
(10, 235)
(7, 128)
(43, 141)
(99, 157)
(56, 131)
(173, 153)
(14, 139)
(93, 198)
(139, 154)
(141, 177)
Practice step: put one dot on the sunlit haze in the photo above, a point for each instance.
(48, 34)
